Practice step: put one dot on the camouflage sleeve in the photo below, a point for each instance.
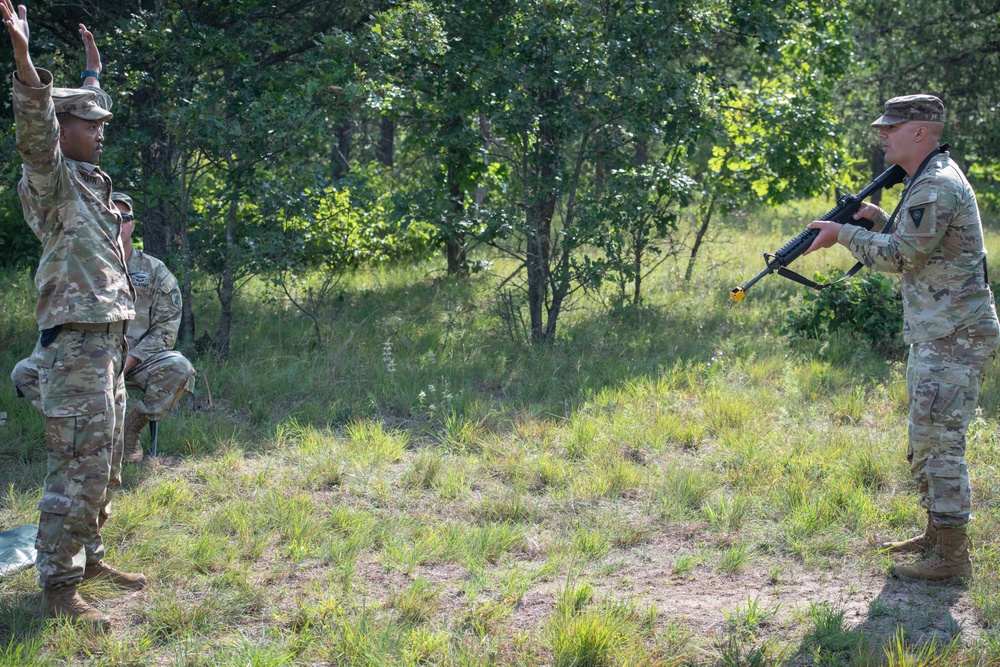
(879, 223)
(38, 138)
(922, 223)
(164, 317)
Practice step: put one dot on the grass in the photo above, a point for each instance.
(672, 485)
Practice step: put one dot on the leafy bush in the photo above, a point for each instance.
(869, 307)
(19, 248)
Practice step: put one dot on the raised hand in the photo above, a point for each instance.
(93, 56)
(16, 23)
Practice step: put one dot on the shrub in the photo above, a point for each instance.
(869, 307)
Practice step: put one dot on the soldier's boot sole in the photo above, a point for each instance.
(134, 424)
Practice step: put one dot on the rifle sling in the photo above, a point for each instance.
(802, 280)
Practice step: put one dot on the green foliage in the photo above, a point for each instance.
(343, 226)
(632, 224)
(942, 48)
(869, 307)
(20, 247)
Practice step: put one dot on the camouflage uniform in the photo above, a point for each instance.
(950, 323)
(163, 375)
(74, 375)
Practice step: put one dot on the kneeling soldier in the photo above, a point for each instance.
(152, 367)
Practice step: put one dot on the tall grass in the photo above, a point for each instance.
(424, 491)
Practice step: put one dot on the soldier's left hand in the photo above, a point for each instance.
(90, 49)
(827, 237)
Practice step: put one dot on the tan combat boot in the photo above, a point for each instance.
(133, 427)
(131, 581)
(66, 602)
(920, 544)
(947, 560)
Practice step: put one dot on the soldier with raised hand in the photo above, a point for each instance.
(934, 239)
(74, 375)
(152, 367)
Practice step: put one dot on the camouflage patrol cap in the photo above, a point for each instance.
(80, 102)
(911, 107)
(123, 198)
(103, 99)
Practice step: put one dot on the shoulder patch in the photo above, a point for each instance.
(917, 214)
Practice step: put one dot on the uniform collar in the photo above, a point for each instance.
(87, 168)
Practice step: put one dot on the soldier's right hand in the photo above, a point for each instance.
(868, 211)
(16, 23)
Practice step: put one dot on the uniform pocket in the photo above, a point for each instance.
(76, 404)
(944, 372)
(985, 327)
(948, 485)
(44, 357)
(54, 507)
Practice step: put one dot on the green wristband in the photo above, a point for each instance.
(90, 72)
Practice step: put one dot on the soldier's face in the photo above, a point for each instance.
(128, 222)
(81, 139)
(898, 141)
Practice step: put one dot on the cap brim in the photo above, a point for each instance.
(93, 113)
(888, 119)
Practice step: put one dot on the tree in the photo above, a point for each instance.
(950, 49)
(428, 55)
(634, 225)
(230, 97)
(572, 90)
(773, 134)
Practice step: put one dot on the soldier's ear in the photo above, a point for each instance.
(62, 136)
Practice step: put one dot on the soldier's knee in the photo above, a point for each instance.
(23, 377)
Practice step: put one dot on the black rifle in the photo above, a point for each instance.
(843, 213)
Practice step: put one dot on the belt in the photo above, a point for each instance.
(108, 327)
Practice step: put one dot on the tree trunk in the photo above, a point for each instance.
(454, 243)
(600, 168)
(341, 157)
(639, 244)
(641, 152)
(386, 140)
(186, 334)
(561, 285)
(705, 220)
(539, 218)
(458, 265)
(226, 287)
(639, 248)
(156, 163)
(541, 207)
